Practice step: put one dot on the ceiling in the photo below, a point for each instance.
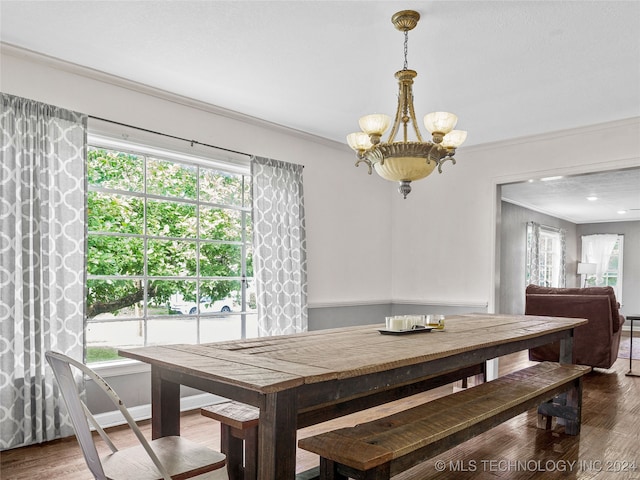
(591, 198)
(507, 68)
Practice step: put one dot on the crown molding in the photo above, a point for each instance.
(121, 82)
(568, 132)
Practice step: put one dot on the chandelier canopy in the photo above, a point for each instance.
(405, 161)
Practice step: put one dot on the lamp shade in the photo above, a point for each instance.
(375, 124)
(359, 141)
(440, 122)
(454, 139)
(586, 268)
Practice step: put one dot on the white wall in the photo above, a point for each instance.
(348, 212)
(442, 236)
(444, 233)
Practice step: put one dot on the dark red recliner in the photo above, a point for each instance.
(596, 343)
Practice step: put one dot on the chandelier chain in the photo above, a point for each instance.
(406, 49)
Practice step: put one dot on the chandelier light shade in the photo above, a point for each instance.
(406, 161)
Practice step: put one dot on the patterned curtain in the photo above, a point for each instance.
(538, 269)
(280, 248)
(42, 263)
(562, 280)
(533, 254)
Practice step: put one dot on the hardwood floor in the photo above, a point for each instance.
(607, 448)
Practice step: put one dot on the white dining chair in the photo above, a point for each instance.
(166, 458)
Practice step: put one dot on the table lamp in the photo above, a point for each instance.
(586, 269)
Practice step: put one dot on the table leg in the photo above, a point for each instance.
(631, 373)
(277, 436)
(566, 350)
(574, 402)
(165, 406)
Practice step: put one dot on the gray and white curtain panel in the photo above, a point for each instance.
(280, 249)
(546, 268)
(42, 257)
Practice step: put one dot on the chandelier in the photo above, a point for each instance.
(406, 161)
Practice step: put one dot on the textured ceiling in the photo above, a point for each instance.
(566, 197)
(506, 68)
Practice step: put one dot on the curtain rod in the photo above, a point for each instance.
(192, 142)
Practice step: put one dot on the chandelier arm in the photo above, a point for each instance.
(434, 155)
(453, 160)
(412, 113)
(369, 165)
(396, 121)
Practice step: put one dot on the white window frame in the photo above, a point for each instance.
(552, 255)
(619, 273)
(549, 260)
(99, 141)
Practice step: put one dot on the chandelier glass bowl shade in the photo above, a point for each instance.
(406, 161)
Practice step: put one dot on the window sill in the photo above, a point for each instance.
(118, 368)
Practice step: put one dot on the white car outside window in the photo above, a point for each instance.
(206, 306)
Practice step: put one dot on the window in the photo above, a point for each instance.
(545, 256)
(549, 257)
(606, 252)
(169, 252)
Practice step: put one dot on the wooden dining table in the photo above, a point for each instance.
(302, 379)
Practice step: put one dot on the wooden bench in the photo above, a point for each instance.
(239, 422)
(238, 437)
(382, 448)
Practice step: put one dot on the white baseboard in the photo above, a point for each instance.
(143, 412)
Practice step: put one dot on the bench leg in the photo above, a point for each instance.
(567, 409)
(251, 454)
(545, 420)
(241, 449)
(232, 447)
(383, 472)
(329, 470)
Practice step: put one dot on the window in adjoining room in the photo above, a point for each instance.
(604, 250)
(169, 252)
(546, 256)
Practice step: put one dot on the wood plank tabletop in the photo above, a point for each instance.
(270, 364)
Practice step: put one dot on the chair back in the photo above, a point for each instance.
(64, 376)
(81, 417)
